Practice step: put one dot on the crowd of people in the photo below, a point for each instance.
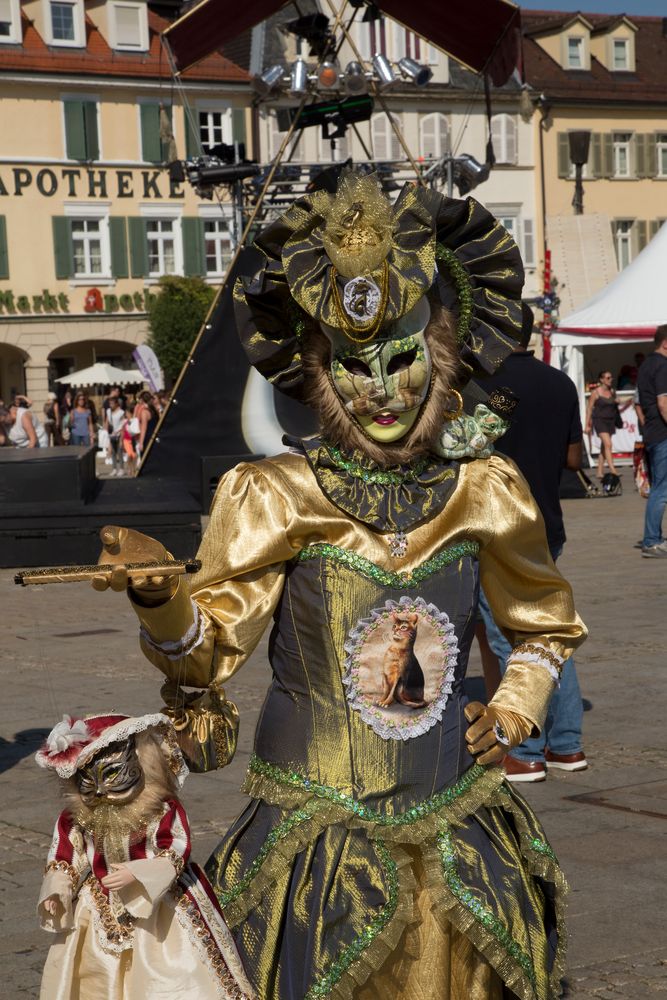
(121, 427)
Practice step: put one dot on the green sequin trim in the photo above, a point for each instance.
(364, 812)
(541, 847)
(399, 580)
(357, 471)
(463, 290)
(349, 955)
(481, 913)
(278, 833)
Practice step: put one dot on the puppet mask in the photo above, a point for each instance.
(384, 383)
(114, 775)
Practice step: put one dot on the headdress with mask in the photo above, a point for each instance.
(368, 275)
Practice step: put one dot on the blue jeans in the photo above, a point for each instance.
(79, 439)
(562, 729)
(657, 498)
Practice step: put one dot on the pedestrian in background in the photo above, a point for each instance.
(544, 438)
(82, 431)
(601, 417)
(652, 384)
(52, 419)
(114, 424)
(25, 429)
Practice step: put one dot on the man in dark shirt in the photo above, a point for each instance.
(545, 437)
(652, 385)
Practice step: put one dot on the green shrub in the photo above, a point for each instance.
(175, 317)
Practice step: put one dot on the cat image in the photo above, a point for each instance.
(402, 676)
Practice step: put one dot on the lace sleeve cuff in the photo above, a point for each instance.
(542, 656)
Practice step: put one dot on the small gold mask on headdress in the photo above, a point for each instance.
(358, 225)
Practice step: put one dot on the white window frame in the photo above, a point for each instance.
(580, 44)
(623, 238)
(225, 110)
(143, 27)
(97, 212)
(15, 36)
(210, 213)
(79, 40)
(617, 144)
(275, 139)
(625, 42)
(393, 144)
(514, 214)
(445, 128)
(660, 149)
(500, 129)
(165, 213)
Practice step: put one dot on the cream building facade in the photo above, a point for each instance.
(89, 217)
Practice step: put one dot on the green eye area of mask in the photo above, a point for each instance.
(388, 375)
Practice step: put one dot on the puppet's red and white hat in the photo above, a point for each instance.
(72, 742)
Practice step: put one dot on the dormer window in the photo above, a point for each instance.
(129, 26)
(621, 54)
(10, 22)
(65, 23)
(575, 52)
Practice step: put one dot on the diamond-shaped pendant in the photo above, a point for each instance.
(398, 544)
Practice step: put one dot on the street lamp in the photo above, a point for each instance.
(579, 146)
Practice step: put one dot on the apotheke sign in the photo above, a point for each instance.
(94, 302)
(75, 182)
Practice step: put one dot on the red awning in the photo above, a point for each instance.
(482, 34)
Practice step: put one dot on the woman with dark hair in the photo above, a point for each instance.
(81, 422)
(601, 418)
(148, 418)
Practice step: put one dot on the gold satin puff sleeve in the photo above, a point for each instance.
(530, 600)
(210, 626)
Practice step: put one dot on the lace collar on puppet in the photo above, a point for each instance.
(387, 500)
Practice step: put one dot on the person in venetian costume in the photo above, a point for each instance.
(132, 916)
(382, 853)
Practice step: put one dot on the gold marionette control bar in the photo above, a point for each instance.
(75, 574)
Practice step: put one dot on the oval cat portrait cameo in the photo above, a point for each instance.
(399, 667)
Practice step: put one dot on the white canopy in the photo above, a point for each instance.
(632, 305)
(102, 374)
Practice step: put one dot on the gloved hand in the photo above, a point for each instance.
(122, 546)
(494, 731)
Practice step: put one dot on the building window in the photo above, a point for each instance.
(623, 242)
(218, 246)
(575, 53)
(378, 37)
(87, 242)
(294, 151)
(10, 22)
(129, 26)
(62, 22)
(661, 151)
(621, 146)
(385, 141)
(434, 139)
(81, 132)
(621, 49)
(215, 127)
(161, 235)
(504, 136)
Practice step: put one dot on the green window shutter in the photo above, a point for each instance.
(595, 154)
(238, 125)
(642, 235)
(164, 146)
(151, 147)
(62, 247)
(118, 240)
(654, 226)
(651, 155)
(194, 261)
(607, 155)
(563, 155)
(4, 255)
(90, 128)
(138, 248)
(640, 142)
(192, 140)
(75, 130)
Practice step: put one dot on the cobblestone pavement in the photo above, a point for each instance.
(69, 649)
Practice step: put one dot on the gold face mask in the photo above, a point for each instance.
(384, 383)
(114, 775)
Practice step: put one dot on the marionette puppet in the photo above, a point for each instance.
(382, 853)
(133, 917)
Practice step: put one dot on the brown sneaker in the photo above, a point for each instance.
(566, 761)
(524, 770)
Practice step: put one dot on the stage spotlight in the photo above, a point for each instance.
(327, 76)
(314, 28)
(372, 13)
(354, 79)
(469, 172)
(384, 70)
(411, 70)
(268, 81)
(299, 78)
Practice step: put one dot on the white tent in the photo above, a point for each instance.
(616, 323)
(102, 374)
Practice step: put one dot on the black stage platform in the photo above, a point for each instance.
(52, 508)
